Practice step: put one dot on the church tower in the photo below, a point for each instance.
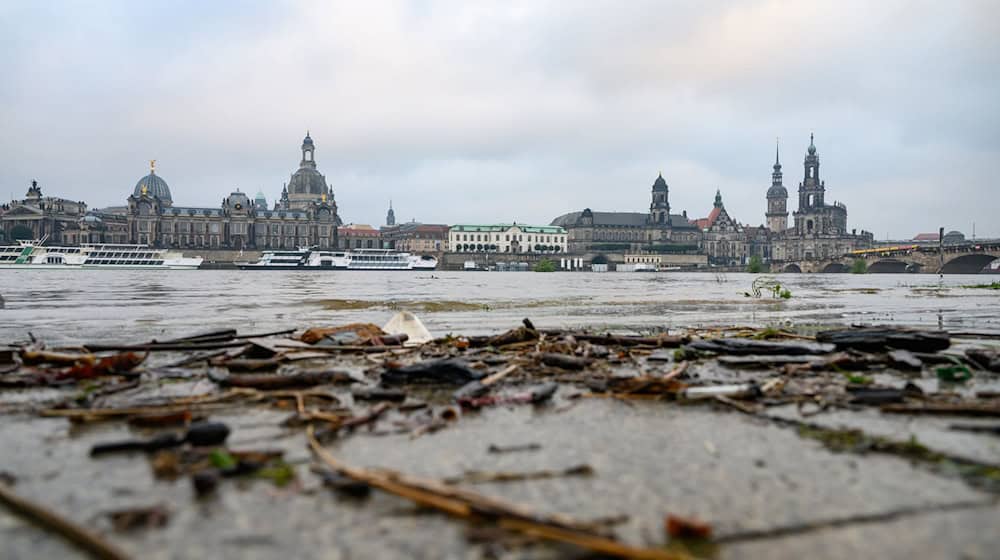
(811, 189)
(659, 208)
(777, 199)
(390, 216)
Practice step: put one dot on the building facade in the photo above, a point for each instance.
(417, 238)
(359, 236)
(507, 238)
(724, 240)
(306, 215)
(37, 216)
(819, 230)
(655, 231)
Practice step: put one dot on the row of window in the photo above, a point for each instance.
(488, 248)
(121, 254)
(486, 237)
(133, 262)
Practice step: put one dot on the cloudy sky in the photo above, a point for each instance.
(498, 111)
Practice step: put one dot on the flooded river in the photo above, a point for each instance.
(83, 305)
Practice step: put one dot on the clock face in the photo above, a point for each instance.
(239, 206)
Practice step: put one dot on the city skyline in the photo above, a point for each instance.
(522, 111)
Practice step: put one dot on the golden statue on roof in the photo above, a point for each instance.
(152, 166)
(144, 190)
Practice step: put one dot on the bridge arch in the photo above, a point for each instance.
(835, 268)
(888, 266)
(968, 264)
(793, 268)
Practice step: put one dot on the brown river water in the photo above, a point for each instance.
(127, 306)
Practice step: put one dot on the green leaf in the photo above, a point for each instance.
(221, 459)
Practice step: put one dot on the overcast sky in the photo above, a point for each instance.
(483, 112)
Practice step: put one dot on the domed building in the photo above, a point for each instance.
(154, 186)
(306, 215)
(307, 186)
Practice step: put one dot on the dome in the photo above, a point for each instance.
(307, 140)
(307, 181)
(812, 147)
(155, 186)
(660, 184)
(777, 191)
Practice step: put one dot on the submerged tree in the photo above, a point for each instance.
(859, 266)
(756, 265)
(545, 265)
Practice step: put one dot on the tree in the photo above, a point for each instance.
(545, 265)
(756, 265)
(859, 266)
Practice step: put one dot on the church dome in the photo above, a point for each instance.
(307, 181)
(154, 186)
(777, 191)
(660, 184)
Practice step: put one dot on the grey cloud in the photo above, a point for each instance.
(496, 111)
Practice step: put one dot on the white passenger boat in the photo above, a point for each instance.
(34, 255)
(356, 259)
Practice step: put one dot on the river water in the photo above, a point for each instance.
(130, 306)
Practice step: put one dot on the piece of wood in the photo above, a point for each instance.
(67, 529)
(471, 505)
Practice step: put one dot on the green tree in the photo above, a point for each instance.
(859, 266)
(545, 265)
(756, 265)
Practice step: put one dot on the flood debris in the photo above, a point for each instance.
(297, 380)
(687, 527)
(408, 325)
(48, 519)
(472, 477)
(139, 518)
(874, 339)
(497, 449)
(199, 434)
(744, 346)
(452, 371)
(362, 381)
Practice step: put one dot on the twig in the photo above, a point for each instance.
(492, 379)
(471, 505)
(52, 521)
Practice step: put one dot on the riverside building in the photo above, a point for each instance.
(305, 215)
(507, 238)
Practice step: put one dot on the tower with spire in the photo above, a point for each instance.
(659, 208)
(777, 198)
(390, 216)
(811, 189)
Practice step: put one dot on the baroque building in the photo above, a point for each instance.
(36, 216)
(658, 230)
(305, 216)
(724, 240)
(820, 229)
(417, 238)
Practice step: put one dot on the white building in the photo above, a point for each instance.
(506, 238)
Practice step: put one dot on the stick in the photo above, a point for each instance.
(500, 375)
(52, 521)
(471, 505)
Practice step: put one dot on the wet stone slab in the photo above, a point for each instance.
(649, 458)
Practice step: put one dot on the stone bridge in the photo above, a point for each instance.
(964, 258)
